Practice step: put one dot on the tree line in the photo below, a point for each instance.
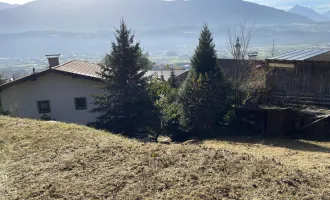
(133, 103)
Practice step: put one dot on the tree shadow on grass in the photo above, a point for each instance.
(293, 144)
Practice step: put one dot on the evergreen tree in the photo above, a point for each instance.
(146, 63)
(172, 79)
(126, 106)
(205, 58)
(205, 97)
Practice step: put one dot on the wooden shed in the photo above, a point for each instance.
(269, 122)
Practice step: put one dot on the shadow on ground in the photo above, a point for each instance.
(300, 145)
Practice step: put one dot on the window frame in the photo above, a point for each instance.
(76, 104)
(39, 107)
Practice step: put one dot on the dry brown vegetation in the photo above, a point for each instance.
(307, 156)
(46, 160)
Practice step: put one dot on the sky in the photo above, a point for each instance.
(319, 5)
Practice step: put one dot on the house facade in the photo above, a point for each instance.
(57, 93)
(60, 93)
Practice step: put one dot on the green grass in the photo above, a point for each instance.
(49, 160)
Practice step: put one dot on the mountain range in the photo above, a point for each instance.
(327, 14)
(310, 13)
(4, 6)
(93, 15)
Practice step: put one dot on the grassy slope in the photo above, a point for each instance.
(308, 156)
(41, 160)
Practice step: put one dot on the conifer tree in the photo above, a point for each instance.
(205, 58)
(126, 106)
(205, 97)
(172, 79)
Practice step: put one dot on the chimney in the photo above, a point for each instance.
(53, 60)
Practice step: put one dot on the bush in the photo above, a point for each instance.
(204, 102)
(166, 102)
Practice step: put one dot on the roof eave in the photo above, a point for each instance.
(36, 75)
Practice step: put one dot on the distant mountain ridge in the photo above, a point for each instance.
(327, 14)
(308, 12)
(4, 6)
(87, 15)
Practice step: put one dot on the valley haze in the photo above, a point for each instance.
(84, 29)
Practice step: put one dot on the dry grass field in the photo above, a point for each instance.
(49, 160)
(308, 156)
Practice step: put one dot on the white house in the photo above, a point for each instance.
(61, 92)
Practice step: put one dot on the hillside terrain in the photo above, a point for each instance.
(94, 15)
(50, 160)
(308, 12)
(157, 41)
(327, 14)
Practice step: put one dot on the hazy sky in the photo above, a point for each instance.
(319, 5)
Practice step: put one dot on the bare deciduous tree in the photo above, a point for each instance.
(243, 35)
(239, 43)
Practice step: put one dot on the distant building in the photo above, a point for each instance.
(171, 54)
(62, 92)
(181, 75)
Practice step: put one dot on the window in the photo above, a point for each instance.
(80, 103)
(43, 107)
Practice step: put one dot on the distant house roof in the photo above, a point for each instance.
(82, 69)
(166, 73)
(300, 55)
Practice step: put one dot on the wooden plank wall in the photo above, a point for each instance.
(303, 79)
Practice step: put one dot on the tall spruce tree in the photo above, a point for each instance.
(205, 58)
(205, 97)
(126, 106)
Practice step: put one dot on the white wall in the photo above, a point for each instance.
(60, 90)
